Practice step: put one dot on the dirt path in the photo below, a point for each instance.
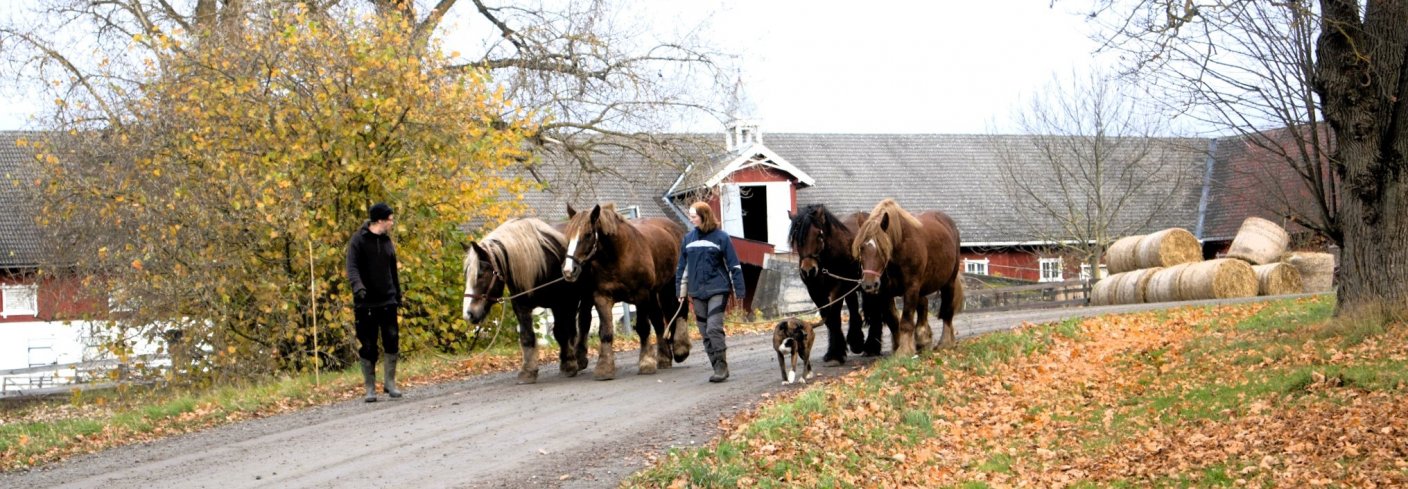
(482, 432)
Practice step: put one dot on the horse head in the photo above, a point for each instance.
(808, 238)
(584, 234)
(483, 285)
(872, 248)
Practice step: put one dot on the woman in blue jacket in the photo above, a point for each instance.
(710, 267)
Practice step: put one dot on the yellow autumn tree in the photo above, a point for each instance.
(239, 171)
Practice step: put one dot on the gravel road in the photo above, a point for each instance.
(481, 432)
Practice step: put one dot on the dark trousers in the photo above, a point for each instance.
(374, 322)
(709, 316)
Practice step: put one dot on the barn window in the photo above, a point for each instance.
(975, 267)
(20, 300)
(629, 212)
(1051, 270)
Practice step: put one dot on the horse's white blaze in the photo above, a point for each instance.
(571, 253)
(872, 244)
(467, 303)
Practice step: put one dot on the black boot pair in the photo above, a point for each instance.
(369, 378)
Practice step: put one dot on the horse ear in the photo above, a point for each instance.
(467, 246)
(885, 222)
(570, 211)
(478, 250)
(596, 213)
(791, 216)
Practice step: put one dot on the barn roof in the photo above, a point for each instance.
(19, 235)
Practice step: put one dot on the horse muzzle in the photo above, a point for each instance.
(809, 269)
(571, 271)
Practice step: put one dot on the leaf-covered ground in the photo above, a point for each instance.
(1266, 394)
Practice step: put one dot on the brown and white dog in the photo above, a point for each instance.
(793, 338)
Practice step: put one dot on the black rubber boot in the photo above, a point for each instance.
(369, 379)
(720, 361)
(390, 371)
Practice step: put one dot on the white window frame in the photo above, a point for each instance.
(1060, 270)
(15, 303)
(975, 266)
(629, 212)
(1085, 271)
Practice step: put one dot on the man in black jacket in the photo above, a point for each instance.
(376, 292)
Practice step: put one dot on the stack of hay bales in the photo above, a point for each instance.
(1134, 262)
(1166, 266)
(1317, 270)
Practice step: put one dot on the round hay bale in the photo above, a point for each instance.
(1217, 279)
(1163, 284)
(1317, 270)
(1131, 286)
(1122, 255)
(1259, 241)
(1167, 248)
(1102, 293)
(1277, 279)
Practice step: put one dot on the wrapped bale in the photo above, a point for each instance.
(1122, 256)
(1277, 279)
(1167, 248)
(1131, 286)
(1259, 241)
(1163, 284)
(1217, 279)
(1317, 270)
(1102, 293)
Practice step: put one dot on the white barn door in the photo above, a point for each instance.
(779, 203)
(731, 206)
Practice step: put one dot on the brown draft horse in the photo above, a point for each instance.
(524, 255)
(822, 241)
(903, 255)
(621, 261)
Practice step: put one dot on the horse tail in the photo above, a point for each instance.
(952, 303)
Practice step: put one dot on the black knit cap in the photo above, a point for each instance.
(379, 212)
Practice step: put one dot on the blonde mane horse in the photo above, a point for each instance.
(913, 257)
(523, 255)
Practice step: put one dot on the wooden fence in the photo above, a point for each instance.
(1035, 296)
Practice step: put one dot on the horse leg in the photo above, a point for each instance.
(923, 331)
(606, 357)
(950, 300)
(646, 319)
(904, 339)
(583, 310)
(528, 341)
(856, 336)
(835, 340)
(875, 316)
(564, 330)
(831, 316)
(679, 327)
(664, 350)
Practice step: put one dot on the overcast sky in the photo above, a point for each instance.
(880, 66)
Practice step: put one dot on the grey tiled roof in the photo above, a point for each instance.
(957, 174)
(19, 236)
(626, 178)
(1248, 180)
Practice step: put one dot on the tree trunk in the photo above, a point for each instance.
(1362, 81)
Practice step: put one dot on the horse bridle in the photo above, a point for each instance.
(498, 276)
(596, 245)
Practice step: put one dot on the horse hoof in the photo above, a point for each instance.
(527, 378)
(569, 373)
(833, 363)
(601, 376)
(646, 370)
(663, 365)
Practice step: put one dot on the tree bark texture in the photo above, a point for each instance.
(1362, 80)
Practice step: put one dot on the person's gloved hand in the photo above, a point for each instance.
(360, 294)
